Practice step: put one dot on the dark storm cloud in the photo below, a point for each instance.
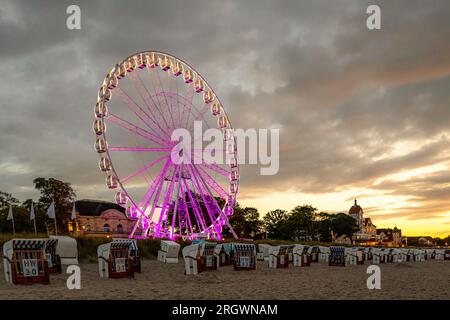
(342, 95)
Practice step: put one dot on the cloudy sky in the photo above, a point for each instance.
(361, 113)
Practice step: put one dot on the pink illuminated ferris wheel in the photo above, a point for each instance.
(141, 101)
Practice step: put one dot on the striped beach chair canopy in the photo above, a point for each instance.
(24, 244)
(50, 246)
(132, 243)
(120, 245)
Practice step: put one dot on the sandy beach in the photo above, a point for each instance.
(423, 280)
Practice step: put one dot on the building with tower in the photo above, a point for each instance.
(367, 230)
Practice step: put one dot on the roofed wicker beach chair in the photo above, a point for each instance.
(368, 253)
(222, 258)
(169, 251)
(324, 254)
(290, 252)
(398, 255)
(115, 261)
(314, 254)
(208, 259)
(360, 256)
(279, 257)
(337, 256)
(264, 251)
(224, 253)
(67, 249)
(53, 259)
(199, 257)
(244, 256)
(350, 256)
(192, 259)
(355, 256)
(418, 255)
(446, 254)
(378, 255)
(301, 256)
(388, 256)
(134, 252)
(24, 261)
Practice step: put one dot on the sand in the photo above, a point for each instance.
(422, 280)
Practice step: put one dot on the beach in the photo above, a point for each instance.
(412, 280)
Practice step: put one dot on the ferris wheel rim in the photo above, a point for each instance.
(124, 189)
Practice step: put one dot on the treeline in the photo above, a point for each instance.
(303, 223)
(50, 189)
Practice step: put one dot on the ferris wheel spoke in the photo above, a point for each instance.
(166, 201)
(173, 91)
(140, 113)
(158, 93)
(177, 197)
(157, 190)
(165, 97)
(199, 187)
(216, 204)
(198, 116)
(145, 96)
(178, 103)
(139, 149)
(148, 195)
(212, 166)
(207, 185)
(213, 184)
(205, 202)
(187, 107)
(112, 118)
(142, 169)
(186, 209)
(195, 207)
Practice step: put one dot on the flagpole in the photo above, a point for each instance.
(14, 228)
(11, 217)
(33, 217)
(35, 230)
(56, 229)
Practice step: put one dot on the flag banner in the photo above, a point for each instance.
(10, 214)
(74, 212)
(32, 216)
(51, 211)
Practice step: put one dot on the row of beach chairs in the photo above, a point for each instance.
(33, 260)
(208, 256)
(303, 256)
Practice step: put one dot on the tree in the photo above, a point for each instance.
(302, 222)
(342, 223)
(324, 226)
(40, 213)
(272, 222)
(245, 222)
(7, 199)
(59, 191)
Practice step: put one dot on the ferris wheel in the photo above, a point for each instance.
(141, 101)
